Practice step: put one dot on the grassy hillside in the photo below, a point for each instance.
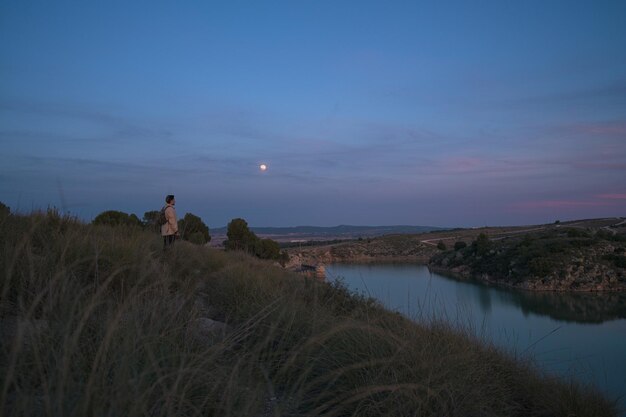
(98, 320)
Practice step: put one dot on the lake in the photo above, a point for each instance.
(573, 334)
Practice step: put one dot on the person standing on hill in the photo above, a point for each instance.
(169, 230)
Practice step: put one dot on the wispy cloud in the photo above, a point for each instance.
(617, 196)
(602, 128)
(110, 126)
(613, 91)
(559, 204)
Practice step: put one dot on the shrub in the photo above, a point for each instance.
(193, 229)
(4, 210)
(196, 238)
(577, 233)
(150, 220)
(540, 267)
(267, 249)
(481, 245)
(116, 218)
(460, 245)
(618, 260)
(240, 237)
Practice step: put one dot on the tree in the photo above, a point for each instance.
(134, 220)
(482, 244)
(459, 245)
(441, 245)
(116, 218)
(267, 249)
(193, 229)
(240, 237)
(150, 219)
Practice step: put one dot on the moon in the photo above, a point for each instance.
(263, 167)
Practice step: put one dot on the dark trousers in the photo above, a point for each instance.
(168, 241)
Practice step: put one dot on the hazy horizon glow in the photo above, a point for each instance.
(364, 112)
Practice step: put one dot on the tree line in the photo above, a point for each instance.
(240, 237)
(191, 228)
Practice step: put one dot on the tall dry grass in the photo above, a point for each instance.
(99, 321)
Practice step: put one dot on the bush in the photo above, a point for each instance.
(577, 233)
(4, 210)
(481, 245)
(150, 220)
(193, 229)
(196, 238)
(267, 249)
(618, 260)
(116, 218)
(240, 237)
(540, 267)
(460, 245)
(441, 245)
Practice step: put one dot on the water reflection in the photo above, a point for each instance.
(575, 307)
(569, 307)
(572, 334)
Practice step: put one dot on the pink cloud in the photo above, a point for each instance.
(601, 165)
(562, 204)
(613, 196)
(606, 128)
(463, 164)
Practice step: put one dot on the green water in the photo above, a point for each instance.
(579, 335)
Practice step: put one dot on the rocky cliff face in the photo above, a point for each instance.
(548, 260)
(546, 263)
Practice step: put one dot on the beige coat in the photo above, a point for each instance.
(171, 227)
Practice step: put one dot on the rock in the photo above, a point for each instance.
(206, 331)
(204, 309)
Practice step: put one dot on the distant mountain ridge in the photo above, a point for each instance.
(340, 230)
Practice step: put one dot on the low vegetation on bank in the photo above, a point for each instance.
(98, 320)
(551, 259)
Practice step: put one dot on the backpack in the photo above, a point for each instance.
(161, 220)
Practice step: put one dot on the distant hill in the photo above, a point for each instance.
(346, 231)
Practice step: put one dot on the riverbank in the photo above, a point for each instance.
(542, 324)
(99, 321)
(578, 256)
(465, 274)
(558, 259)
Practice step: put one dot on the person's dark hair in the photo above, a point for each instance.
(169, 198)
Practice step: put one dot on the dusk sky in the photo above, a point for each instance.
(442, 113)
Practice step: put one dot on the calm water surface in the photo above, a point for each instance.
(583, 335)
